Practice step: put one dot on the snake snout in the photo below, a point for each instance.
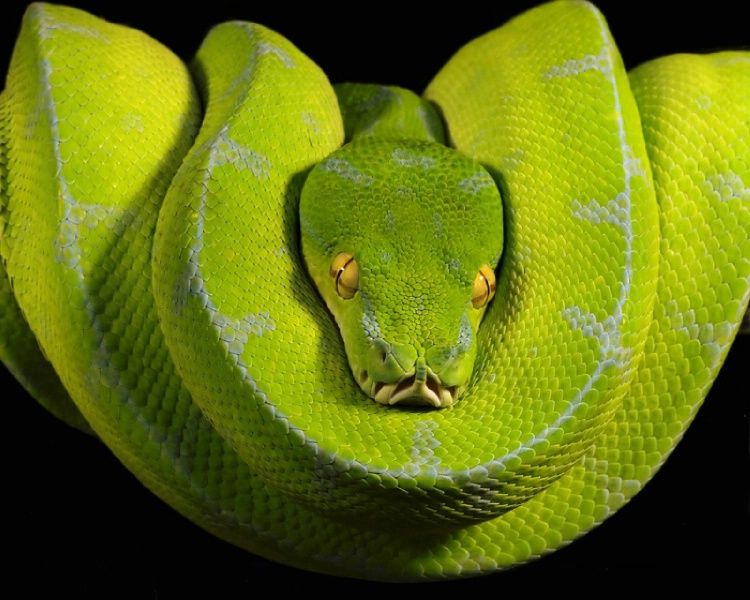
(411, 391)
(395, 374)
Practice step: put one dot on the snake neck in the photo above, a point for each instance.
(387, 112)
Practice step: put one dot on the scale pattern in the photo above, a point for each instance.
(160, 239)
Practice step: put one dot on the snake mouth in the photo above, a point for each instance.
(410, 391)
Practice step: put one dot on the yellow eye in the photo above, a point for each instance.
(484, 287)
(345, 273)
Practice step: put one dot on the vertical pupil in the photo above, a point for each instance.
(345, 274)
(342, 269)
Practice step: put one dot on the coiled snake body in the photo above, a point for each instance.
(203, 356)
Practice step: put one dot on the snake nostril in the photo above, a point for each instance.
(363, 377)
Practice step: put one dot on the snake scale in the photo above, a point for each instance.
(369, 572)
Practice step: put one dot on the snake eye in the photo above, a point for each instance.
(484, 287)
(345, 272)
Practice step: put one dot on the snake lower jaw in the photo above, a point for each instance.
(410, 391)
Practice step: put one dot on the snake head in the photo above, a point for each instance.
(401, 239)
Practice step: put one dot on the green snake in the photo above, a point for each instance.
(154, 243)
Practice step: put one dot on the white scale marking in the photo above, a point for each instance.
(259, 49)
(422, 456)
(727, 186)
(513, 160)
(225, 150)
(465, 335)
(404, 158)
(576, 66)
(50, 27)
(383, 95)
(345, 169)
(437, 224)
(370, 323)
(268, 48)
(312, 121)
(476, 183)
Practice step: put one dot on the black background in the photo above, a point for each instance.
(75, 520)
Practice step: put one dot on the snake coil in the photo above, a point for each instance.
(152, 243)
